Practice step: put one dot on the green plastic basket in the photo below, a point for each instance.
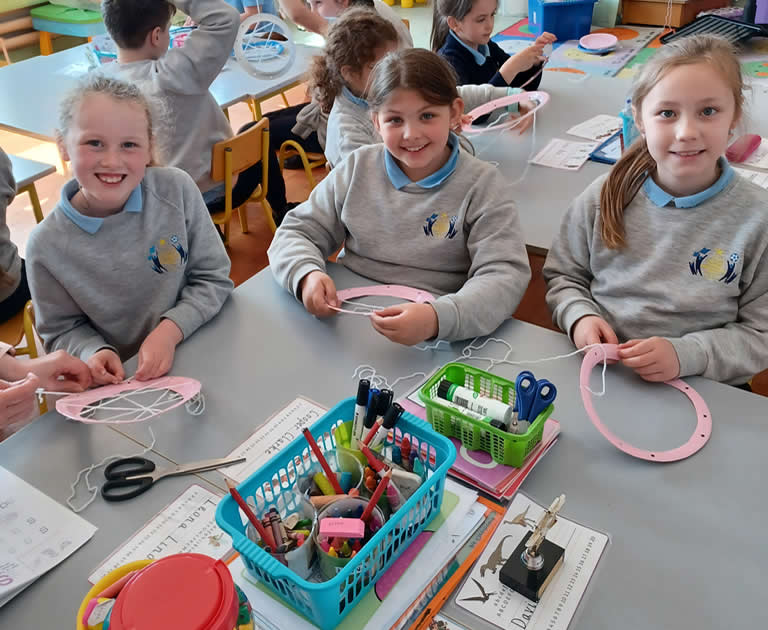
(505, 448)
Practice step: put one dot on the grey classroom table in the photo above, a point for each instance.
(686, 546)
(33, 88)
(48, 453)
(544, 195)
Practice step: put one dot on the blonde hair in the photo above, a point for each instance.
(119, 90)
(352, 41)
(636, 163)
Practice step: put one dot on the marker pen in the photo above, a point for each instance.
(494, 409)
(390, 419)
(360, 406)
(370, 415)
(385, 401)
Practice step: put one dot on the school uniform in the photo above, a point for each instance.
(14, 291)
(482, 65)
(455, 233)
(107, 282)
(694, 270)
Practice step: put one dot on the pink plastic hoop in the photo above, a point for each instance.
(700, 434)
(486, 108)
(387, 290)
(74, 405)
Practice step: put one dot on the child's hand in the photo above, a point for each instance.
(318, 292)
(524, 60)
(592, 329)
(546, 38)
(61, 372)
(157, 351)
(106, 367)
(525, 107)
(464, 120)
(653, 359)
(17, 400)
(407, 323)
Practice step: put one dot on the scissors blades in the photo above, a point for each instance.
(195, 467)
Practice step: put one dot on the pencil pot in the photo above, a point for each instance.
(568, 19)
(505, 448)
(327, 603)
(299, 559)
(330, 564)
(348, 470)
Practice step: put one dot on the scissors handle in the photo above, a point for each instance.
(525, 388)
(113, 490)
(128, 467)
(544, 396)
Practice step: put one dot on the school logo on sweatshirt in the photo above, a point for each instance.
(168, 254)
(440, 225)
(715, 265)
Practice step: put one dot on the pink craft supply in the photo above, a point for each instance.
(387, 290)
(700, 435)
(743, 147)
(342, 527)
(542, 98)
(598, 41)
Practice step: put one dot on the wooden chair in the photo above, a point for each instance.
(309, 159)
(233, 156)
(22, 325)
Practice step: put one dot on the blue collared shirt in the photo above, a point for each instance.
(134, 203)
(400, 179)
(355, 99)
(662, 198)
(480, 53)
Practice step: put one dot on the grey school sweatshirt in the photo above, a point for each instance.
(350, 124)
(461, 239)
(10, 262)
(160, 257)
(696, 276)
(181, 78)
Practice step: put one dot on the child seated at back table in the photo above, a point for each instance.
(182, 77)
(414, 210)
(129, 260)
(668, 253)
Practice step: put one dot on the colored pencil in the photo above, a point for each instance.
(265, 536)
(328, 472)
(376, 496)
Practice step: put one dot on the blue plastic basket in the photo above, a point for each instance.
(327, 603)
(569, 19)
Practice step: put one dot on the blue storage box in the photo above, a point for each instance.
(569, 19)
(327, 603)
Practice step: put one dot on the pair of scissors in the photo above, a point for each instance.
(532, 396)
(131, 476)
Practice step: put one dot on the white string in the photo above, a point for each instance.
(94, 490)
(507, 130)
(195, 406)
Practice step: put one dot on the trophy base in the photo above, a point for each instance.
(527, 582)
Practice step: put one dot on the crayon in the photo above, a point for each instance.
(325, 486)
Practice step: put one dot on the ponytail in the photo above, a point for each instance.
(439, 29)
(619, 189)
(324, 84)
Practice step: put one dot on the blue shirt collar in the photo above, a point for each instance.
(355, 99)
(134, 203)
(662, 198)
(480, 54)
(400, 179)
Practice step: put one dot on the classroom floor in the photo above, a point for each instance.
(248, 251)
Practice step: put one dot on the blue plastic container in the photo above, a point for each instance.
(569, 19)
(327, 603)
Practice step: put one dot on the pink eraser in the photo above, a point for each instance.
(342, 527)
(743, 147)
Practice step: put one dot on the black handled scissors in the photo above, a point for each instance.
(131, 476)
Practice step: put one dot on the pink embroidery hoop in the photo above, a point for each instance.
(486, 108)
(172, 391)
(704, 419)
(382, 290)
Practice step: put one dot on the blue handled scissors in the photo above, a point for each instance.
(532, 396)
(131, 476)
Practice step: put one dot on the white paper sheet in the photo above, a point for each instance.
(761, 179)
(759, 159)
(564, 154)
(504, 607)
(280, 430)
(36, 534)
(598, 128)
(186, 526)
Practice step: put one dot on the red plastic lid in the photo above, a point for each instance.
(187, 591)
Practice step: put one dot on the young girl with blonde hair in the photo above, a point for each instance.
(414, 210)
(669, 252)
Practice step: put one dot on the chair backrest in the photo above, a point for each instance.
(247, 150)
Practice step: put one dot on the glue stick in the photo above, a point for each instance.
(494, 409)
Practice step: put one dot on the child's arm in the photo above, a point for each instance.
(518, 69)
(567, 270)
(300, 14)
(312, 231)
(345, 134)
(192, 68)
(499, 271)
(207, 271)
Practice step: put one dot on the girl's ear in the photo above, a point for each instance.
(452, 23)
(375, 118)
(348, 74)
(457, 111)
(638, 119)
(62, 147)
